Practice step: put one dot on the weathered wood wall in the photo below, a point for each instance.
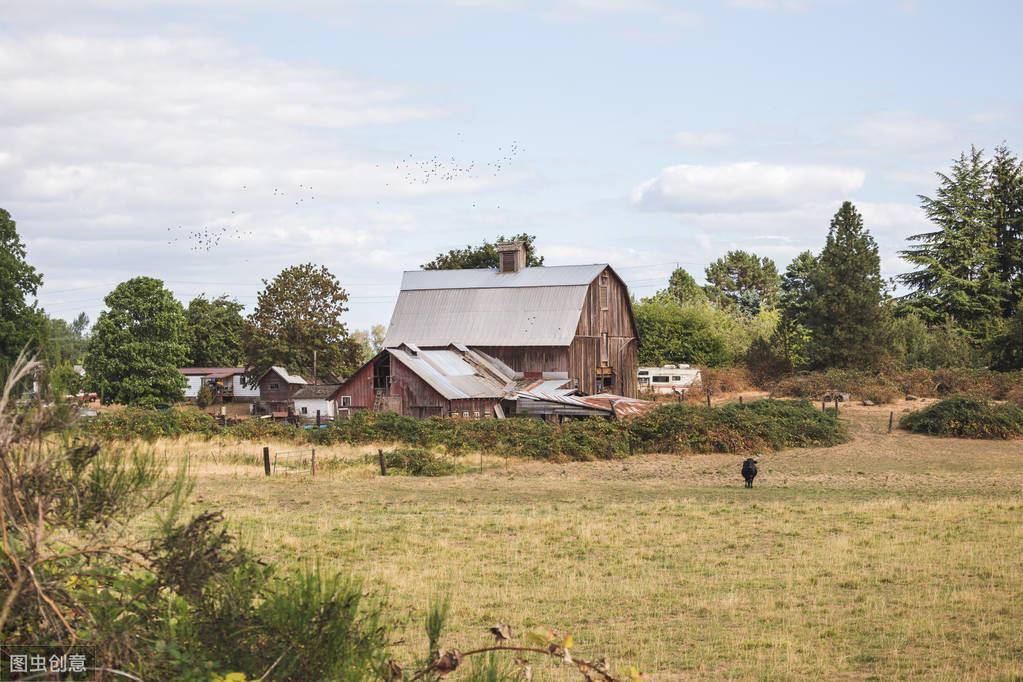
(276, 397)
(606, 312)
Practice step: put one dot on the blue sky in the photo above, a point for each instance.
(640, 133)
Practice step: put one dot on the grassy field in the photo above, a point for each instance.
(890, 556)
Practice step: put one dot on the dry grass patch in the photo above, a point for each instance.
(889, 556)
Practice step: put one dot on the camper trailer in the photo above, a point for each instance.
(667, 378)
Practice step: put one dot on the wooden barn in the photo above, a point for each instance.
(459, 339)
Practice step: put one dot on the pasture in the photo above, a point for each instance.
(893, 555)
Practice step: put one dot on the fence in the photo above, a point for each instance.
(291, 460)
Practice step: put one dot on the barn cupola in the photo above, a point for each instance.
(511, 256)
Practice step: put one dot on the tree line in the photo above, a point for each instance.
(959, 307)
(132, 353)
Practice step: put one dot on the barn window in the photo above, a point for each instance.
(305, 410)
(604, 292)
(382, 373)
(274, 387)
(346, 401)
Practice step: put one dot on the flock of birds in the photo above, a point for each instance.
(205, 238)
(438, 169)
(414, 171)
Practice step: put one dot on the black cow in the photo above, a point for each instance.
(749, 471)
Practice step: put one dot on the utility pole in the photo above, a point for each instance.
(314, 366)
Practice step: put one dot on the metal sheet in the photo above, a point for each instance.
(546, 276)
(534, 316)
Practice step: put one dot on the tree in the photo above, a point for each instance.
(1008, 346)
(683, 289)
(21, 323)
(791, 337)
(1006, 196)
(138, 345)
(215, 332)
(370, 341)
(672, 333)
(845, 313)
(482, 256)
(298, 316)
(958, 272)
(65, 342)
(744, 280)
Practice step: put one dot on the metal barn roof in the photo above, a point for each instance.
(533, 316)
(451, 374)
(489, 278)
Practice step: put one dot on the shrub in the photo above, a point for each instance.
(420, 462)
(147, 424)
(739, 428)
(966, 417)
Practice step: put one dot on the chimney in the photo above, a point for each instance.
(511, 256)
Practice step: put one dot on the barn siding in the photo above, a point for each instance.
(276, 396)
(530, 358)
(585, 354)
(360, 387)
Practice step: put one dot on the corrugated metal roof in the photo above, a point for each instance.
(287, 376)
(513, 316)
(448, 373)
(487, 278)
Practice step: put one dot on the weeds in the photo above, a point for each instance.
(965, 417)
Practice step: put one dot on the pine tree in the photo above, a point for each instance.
(845, 312)
(791, 336)
(957, 264)
(1006, 198)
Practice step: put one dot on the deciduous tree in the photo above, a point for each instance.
(298, 314)
(138, 345)
(215, 332)
(482, 256)
(21, 323)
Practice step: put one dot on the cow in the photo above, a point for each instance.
(749, 471)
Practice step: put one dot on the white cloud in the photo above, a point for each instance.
(742, 187)
(701, 140)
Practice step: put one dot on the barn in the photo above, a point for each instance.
(461, 341)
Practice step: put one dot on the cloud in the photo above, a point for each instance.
(900, 129)
(743, 187)
(701, 140)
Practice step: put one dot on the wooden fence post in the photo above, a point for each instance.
(266, 460)
(383, 462)
(836, 405)
(824, 406)
(317, 419)
(891, 418)
(312, 462)
(740, 400)
(708, 398)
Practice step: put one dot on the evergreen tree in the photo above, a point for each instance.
(138, 345)
(957, 264)
(845, 313)
(1006, 197)
(683, 289)
(744, 280)
(21, 323)
(791, 337)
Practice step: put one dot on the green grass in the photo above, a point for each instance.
(889, 556)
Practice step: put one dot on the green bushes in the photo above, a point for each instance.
(670, 428)
(420, 462)
(147, 424)
(966, 417)
(738, 428)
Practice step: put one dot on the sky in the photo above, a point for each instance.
(213, 143)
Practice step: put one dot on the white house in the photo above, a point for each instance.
(228, 383)
(308, 399)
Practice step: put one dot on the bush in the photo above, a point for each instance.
(739, 428)
(420, 462)
(966, 417)
(887, 386)
(147, 424)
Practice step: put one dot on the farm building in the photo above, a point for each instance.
(467, 342)
(312, 399)
(277, 386)
(227, 383)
